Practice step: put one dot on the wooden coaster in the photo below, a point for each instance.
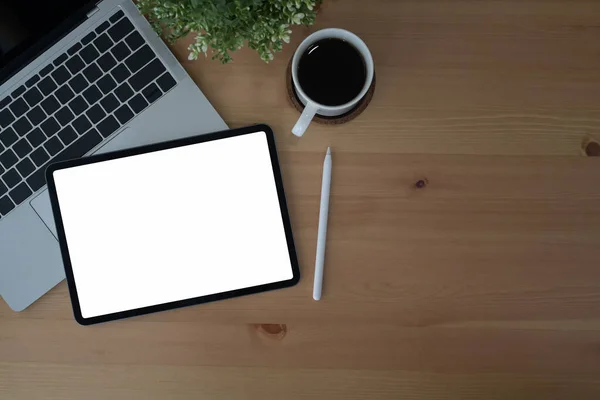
(340, 119)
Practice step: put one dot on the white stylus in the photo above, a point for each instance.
(322, 233)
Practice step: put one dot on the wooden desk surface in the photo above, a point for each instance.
(485, 284)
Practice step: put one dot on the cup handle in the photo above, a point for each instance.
(307, 115)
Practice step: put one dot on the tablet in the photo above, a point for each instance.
(173, 224)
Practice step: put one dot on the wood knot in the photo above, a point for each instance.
(421, 183)
(592, 149)
(273, 331)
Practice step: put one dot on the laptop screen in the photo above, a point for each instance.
(28, 28)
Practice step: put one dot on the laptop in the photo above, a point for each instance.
(76, 78)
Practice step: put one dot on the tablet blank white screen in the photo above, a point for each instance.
(173, 224)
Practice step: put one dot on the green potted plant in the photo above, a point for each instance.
(223, 26)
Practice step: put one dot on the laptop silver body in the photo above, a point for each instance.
(30, 259)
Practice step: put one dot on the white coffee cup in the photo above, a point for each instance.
(312, 107)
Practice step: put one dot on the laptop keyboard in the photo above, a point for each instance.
(72, 104)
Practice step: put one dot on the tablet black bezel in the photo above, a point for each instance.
(158, 147)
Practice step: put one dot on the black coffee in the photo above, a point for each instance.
(332, 72)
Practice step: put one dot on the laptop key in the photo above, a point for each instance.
(120, 73)
(106, 62)
(53, 146)
(60, 75)
(22, 148)
(18, 107)
(36, 115)
(166, 82)
(8, 137)
(8, 159)
(3, 188)
(82, 124)
(103, 43)
(59, 60)
(64, 116)
(36, 137)
(134, 41)
(46, 70)
(50, 104)
(33, 96)
(47, 86)
(124, 92)
(75, 64)
(88, 38)
(108, 126)
(123, 114)
(138, 103)
(11, 178)
(67, 135)
(18, 91)
(92, 73)
(32, 81)
(146, 75)
(140, 58)
(25, 167)
(6, 205)
(37, 179)
(20, 193)
(74, 49)
(89, 53)
(110, 103)
(6, 118)
(119, 30)
(106, 84)
(95, 114)
(116, 16)
(64, 94)
(50, 127)
(78, 105)
(92, 94)
(78, 83)
(152, 92)
(22, 126)
(4, 102)
(102, 27)
(39, 157)
(120, 51)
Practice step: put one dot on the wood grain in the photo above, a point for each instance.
(483, 284)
